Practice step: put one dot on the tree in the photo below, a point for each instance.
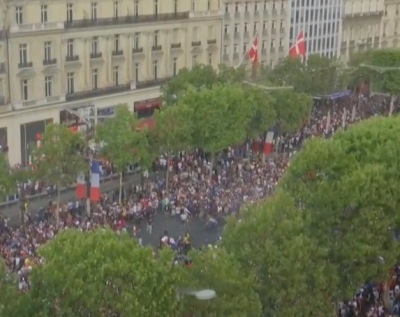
(123, 142)
(262, 109)
(269, 241)
(292, 110)
(347, 189)
(200, 76)
(101, 273)
(58, 160)
(219, 117)
(172, 131)
(215, 269)
(9, 294)
(8, 183)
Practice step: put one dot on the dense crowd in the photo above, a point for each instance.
(193, 191)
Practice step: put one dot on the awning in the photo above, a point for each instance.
(147, 104)
(334, 96)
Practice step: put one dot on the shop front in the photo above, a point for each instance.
(3, 140)
(103, 114)
(31, 133)
(79, 119)
(145, 109)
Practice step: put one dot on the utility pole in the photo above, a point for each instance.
(87, 121)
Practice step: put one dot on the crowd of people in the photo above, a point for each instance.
(191, 190)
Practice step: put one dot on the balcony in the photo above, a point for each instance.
(175, 46)
(96, 55)
(156, 48)
(376, 39)
(25, 64)
(282, 31)
(72, 58)
(97, 92)
(225, 57)
(151, 83)
(281, 49)
(235, 56)
(196, 43)
(118, 53)
(226, 37)
(247, 15)
(272, 50)
(352, 43)
(2, 68)
(227, 16)
(35, 27)
(274, 12)
(3, 34)
(369, 40)
(264, 52)
(136, 19)
(137, 50)
(273, 31)
(237, 15)
(265, 32)
(211, 42)
(3, 101)
(236, 35)
(50, 61)
(207, 13)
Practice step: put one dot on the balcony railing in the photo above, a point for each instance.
(36, 27)
(137, 50)
(175, 45)
(211, 42)
(72, 58)
(3, 34)
(118, 53)
(3, 101)
(25, 65)
(156, 48)
(97, 92)
(147, 18)
(151, 83)
(50, 61)
(196, 43)
(2, 68)
(96, 55)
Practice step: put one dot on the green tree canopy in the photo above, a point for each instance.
(293, 278)
(99, 273)
(58, 160)
(123, 142)
(200, 76)
(219, 116)
(8, 178)
(292, 110)
(236, 290)
(347, 190)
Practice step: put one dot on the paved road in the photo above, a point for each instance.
(200, 235)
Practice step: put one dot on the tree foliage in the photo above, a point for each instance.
(347, 189)
(101, 273)
(236, 294)
(219, 116)
(292, 110)
(293, 278)
(8, 178)
(123, 142)
(58, 160)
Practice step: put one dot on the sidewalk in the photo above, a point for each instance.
(13, 212)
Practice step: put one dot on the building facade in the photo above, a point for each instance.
(362, 26)
(320, 20)
(390, 24)
(90, 56)
(245, 20)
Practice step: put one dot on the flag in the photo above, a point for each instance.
(95, 181)
(299, 47)
(269, 143)
(253, 52)
(81, 186)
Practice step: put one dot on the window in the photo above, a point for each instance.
(70, 14)
(155, 39)
(210, 59)
(136, 7)
(193, 5)
(256, 7)
(93, 11)
(116, 75)
(236, 7)
(18, 15)
(235, 49)
(174, 66)
(264, 25)
(24, 90)
(264, 45)
(244, 48)
(194, 60)
(70, 83)
(226, 29)
(136, 40)
(116, 43)
(70, 47)
(155, 7)
(211, 32)
(226, 49)
(208, 5)
(137, 69)
(95, 78)
(175, 6)
(95, 45)
(47, 51)
(155, 69)
(245, 26)
(23, 54)
(236, 28)
(255, 28)
(246, 7)
(48, 86)
(43, 13)
(195, 35)
(226, 8)
(115, 9)
(265, 5)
